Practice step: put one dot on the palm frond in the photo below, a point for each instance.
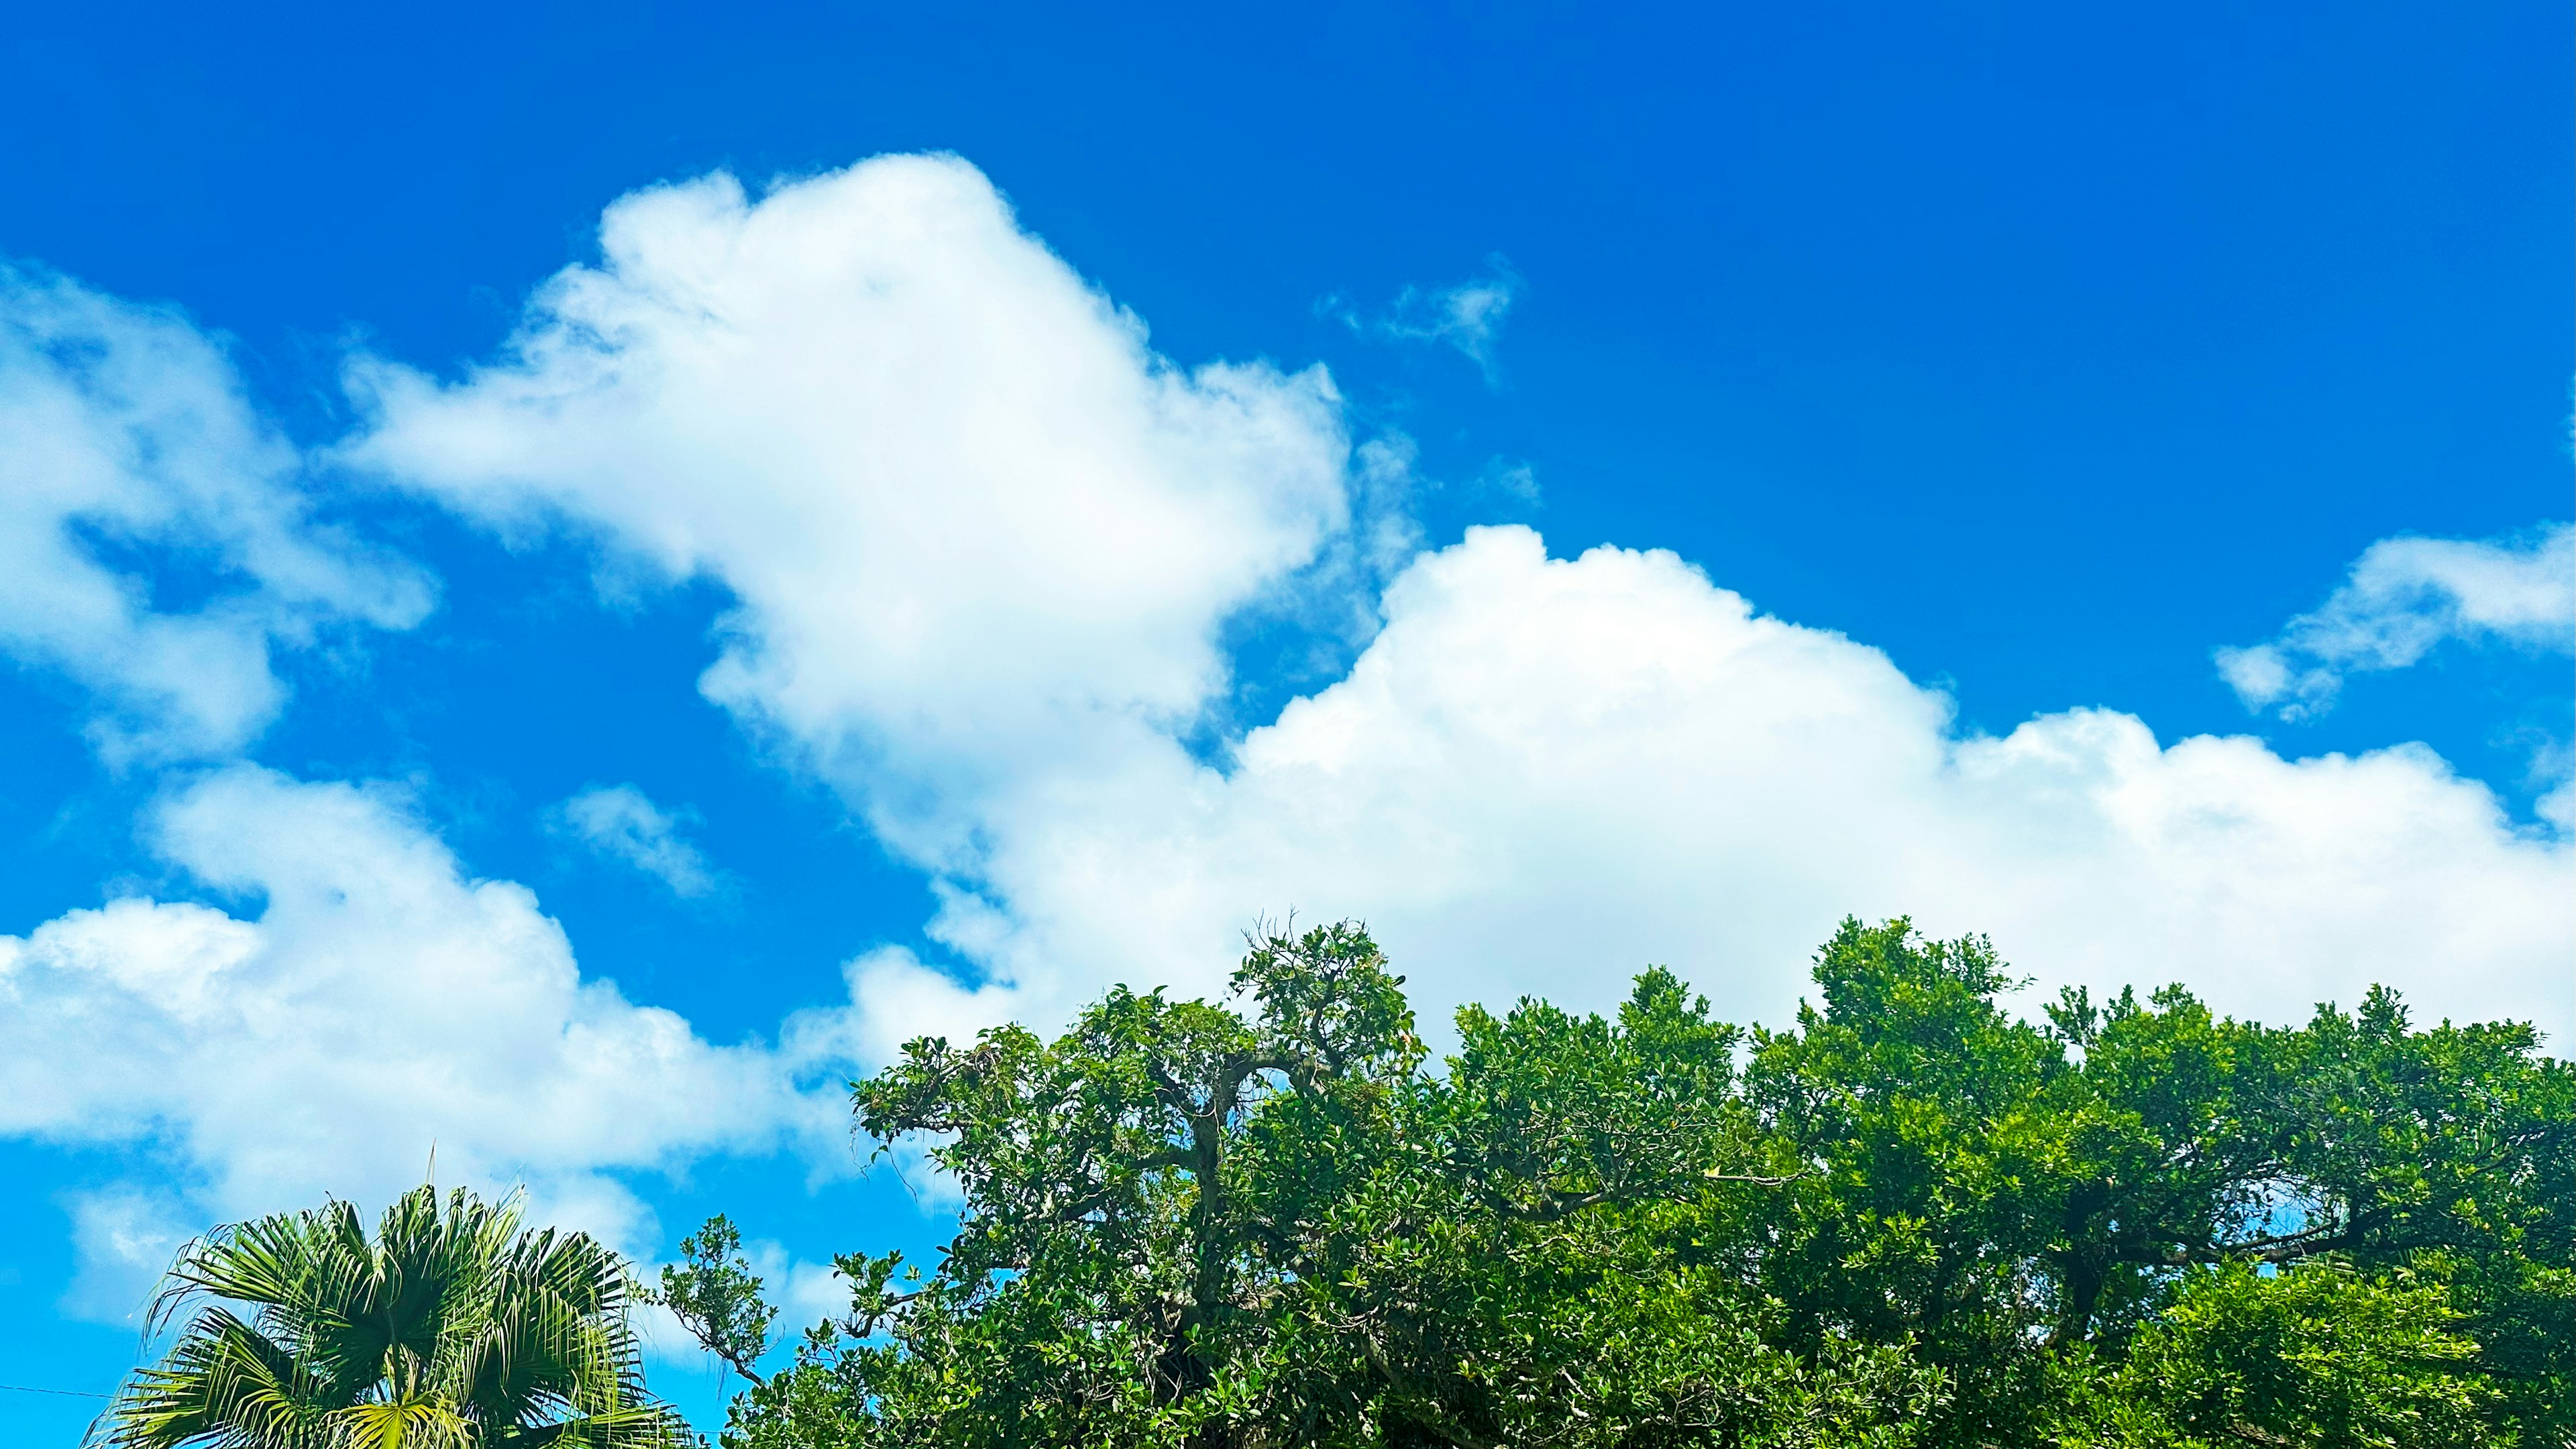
(224, 1383)
(418, 1423)
(449, 1329)
(453, 1327)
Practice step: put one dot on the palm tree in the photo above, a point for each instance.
(453, 1329)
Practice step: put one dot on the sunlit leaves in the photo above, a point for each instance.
(1913, 1218)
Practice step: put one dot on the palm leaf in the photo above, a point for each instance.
(225, 1383)
(452, 1328)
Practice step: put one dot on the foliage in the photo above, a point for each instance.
(2008, 1194)
(1911, 1218)
(449, 1329)
(2316, 1356)
(716, 1296)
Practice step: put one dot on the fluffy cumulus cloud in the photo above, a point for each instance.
(2403, 598)
(982, 539)
(154, 543)
(970, 516)
(1546, 773)
(380, 1004)
(623, 824)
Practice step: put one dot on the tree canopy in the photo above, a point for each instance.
(1911, 1217)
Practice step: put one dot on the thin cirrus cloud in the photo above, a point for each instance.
(383, 1006)
(622, 823)
(1468, 316)
(2404, 598)
(128, 445)
(1542, 773)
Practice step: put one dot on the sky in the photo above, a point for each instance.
(570, 577)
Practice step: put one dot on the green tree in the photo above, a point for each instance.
(451, 1328)
(2317, 1357)
(1191, 1226)
(2010, 1197)
(716, 1296)
(1910, 1217)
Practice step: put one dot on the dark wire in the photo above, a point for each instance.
(66, 1393)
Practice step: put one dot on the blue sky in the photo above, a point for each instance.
(1985, 377)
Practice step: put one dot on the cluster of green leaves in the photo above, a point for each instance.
(2120, 1190)
(452, 1328)
(1911, 1219)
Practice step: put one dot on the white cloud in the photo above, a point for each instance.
(1468, 316)
(1514, 482)
(2402, 598)
(969, 516)
(982, 540)
(125, 437)
(1545, 774)
(380, 1005)
(622, 823)
(123, 1239)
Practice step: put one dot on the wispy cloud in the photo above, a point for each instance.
(1468, 316)
(128, 445)
(1510, 479)
(2402, 599)
(123, 1238)
(622, 823)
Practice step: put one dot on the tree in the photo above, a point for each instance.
(1911, 1217)
(451, 1328)
(2317, 1357)
(1190, 1226)
(716, 1296)
(2011, 1197)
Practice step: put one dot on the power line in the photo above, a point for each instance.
(66, 1393)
